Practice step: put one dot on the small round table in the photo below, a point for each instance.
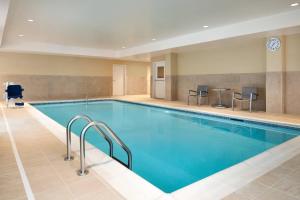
(220, 91)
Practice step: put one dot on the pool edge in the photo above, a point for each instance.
(215, 186)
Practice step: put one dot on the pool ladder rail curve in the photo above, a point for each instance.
(98, 126)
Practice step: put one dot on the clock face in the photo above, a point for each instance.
(273, 44)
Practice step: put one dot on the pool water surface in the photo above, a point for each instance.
(171, 148)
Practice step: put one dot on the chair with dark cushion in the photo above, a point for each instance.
(14, 92)
(249, 94)
(202, 91)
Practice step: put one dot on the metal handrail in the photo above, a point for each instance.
(83, 170)
(68, 136)
(119, 141)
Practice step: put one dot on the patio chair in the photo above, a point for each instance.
(202, 91)
(14, 92)
(249, 94)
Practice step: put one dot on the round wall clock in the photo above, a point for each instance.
(273, 44)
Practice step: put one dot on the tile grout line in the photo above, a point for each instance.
(22, 172)
(58, 175)
(271, 187)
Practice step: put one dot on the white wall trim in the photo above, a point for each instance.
(47, 48)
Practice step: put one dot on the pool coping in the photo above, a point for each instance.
(216, 186)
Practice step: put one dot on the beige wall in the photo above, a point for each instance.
(232, 65)
(245, 57)
(293, 53)
(292, 100)
(137, 73)
(238, 63)
(30, 64)
(64, 77)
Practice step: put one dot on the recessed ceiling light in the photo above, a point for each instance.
(294, 4)
(153, 39)
(205, 26)
(123, 47)
(21, 35)
(30, 20)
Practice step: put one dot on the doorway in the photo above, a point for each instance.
(119, 80)
(159, 80)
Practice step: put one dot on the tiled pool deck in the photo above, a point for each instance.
(41, 153)
(49, 177)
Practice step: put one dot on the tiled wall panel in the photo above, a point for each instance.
(45, 87)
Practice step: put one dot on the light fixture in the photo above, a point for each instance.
(21, 35)
(205, 26)
(30, 20)
(294, 4)
(153, 39)
(123, 47)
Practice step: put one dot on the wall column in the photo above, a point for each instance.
(275, 79)
(170, 76)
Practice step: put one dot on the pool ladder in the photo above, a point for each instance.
(99, 126)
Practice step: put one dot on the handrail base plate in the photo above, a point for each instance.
(69, 159)
(82, 173)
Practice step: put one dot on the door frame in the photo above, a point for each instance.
(124, 78)
(159, 64)
(155, 65)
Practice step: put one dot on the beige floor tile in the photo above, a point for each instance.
(55, 156)
(87, 185)
(62, 166)
(34, 162)
(253, 190)
(8, 169)
(39, 171)
(292, 164)
(288, 186)
(42, 183)
(236, 196)
(58, 193)
(275, 195)
(30, 155)
(280, 171)
(103, 195)
(10, 180)
(274, 176)
(69, 176)
(12, 193)
(269, 179)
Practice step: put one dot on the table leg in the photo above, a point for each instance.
(220, 99)
(219, 103)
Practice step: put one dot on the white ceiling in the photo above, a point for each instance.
(102, 27)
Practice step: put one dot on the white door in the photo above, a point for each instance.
(159, 81)
(119, 78)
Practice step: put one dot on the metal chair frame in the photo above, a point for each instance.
(245, 97)
(202, 91)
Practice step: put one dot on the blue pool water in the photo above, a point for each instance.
(172, 149)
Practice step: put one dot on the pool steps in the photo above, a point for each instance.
(98, 126)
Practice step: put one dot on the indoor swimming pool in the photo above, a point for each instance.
(172, 148)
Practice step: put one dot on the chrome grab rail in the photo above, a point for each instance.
(83, 171)
(68, 135)
(120, 142)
